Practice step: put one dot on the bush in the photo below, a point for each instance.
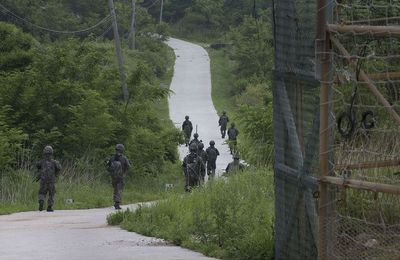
(227, 219)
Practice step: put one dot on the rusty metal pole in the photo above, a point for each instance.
(323, 38)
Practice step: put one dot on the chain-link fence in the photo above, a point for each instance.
(336, 127)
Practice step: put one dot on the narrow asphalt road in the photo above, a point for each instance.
(84, 234)
(191, 86)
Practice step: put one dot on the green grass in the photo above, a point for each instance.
(20, 193)
(222, 81)
(162, 105)
(226, 219)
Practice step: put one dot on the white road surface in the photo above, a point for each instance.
(84, 234)
(191, 86)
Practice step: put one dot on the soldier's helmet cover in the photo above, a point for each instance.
(186, 117)
(48, 150)
(233, 124)
(212, 142)
(200, 145)
(119, 147)
(196, 135)
(193, 148)
(223, 112)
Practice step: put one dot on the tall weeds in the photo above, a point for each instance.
(231, 219)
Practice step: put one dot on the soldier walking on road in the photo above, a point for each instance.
(187, 129)
(192, 166)
(204, 158)
(118, 166)
(232, 138)
(195, 140)
(223, 122)
(234, 166)
(212, 154)
(48, 170)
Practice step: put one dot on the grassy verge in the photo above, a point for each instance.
(88, 190)
(162, 105)
(222, 81)
(225, 219)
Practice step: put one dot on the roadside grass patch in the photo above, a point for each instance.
(229, 219)
(19, 192)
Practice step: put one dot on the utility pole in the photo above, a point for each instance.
(161, 10)
(118, 49)
(132, 31)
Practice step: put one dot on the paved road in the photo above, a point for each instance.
(191, 85)
(79, 234)
(84, 234)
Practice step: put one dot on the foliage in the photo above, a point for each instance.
(251, 48)
(256, 121)
(86, 183)
(226, 219)
(69, 96)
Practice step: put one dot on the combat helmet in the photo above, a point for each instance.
(193, 147)
(196, 135)
(186, 117)
(212, 142)
(48, 150)
(200, 146)
(119, 147)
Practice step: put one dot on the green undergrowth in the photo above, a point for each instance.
(19, 192)
(222, 81)
(228, 218)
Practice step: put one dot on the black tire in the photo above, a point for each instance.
(346, 124)
(368, 120)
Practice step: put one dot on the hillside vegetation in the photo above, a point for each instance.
(65, 91)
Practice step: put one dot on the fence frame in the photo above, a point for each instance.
(327, 43)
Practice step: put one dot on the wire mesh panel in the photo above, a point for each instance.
(296, 129)
(361, 207)
(365, 40)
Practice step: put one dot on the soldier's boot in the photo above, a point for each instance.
(50, 209)
(116, 205)
(41, 205)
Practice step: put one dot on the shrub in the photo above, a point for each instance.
(228, 219)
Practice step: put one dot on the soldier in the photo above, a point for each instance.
(48, 170)
(223, 122)
(234, 166)
(118, 166)
(232, 138)
(212, 154)
(195, 140)
(187, 129)
(204, 158)
(192, 166)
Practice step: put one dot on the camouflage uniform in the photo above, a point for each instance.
(192, 166)
(187, 129)
(234, 166)
(232, 138)
(118, 166)
(204, 158)
(48, 170)
(223, 122)
(195, 140)
(212, 154)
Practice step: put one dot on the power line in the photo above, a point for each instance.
(5, 10)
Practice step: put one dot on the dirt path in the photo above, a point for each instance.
(191, 85)
(84, 234)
